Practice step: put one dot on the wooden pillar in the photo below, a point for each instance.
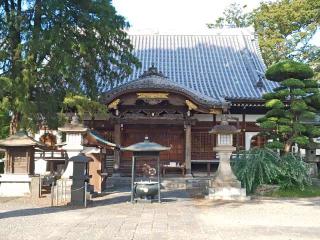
(188, 148)
(117, 140)
(7, 162)
(28, 170)
(244, 128)
(214, 121)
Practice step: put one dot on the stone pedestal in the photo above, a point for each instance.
(224, 185)
(228, 193)
(14, 185)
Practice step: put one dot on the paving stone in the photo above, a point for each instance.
(184, 219)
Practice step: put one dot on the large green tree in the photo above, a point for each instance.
(284, 27)
(292, 106)
(233, 16)
(49, 48)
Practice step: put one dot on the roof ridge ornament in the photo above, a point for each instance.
(152, 71)
(259, 83)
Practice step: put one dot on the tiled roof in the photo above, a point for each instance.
(217, 65)
(20, 139)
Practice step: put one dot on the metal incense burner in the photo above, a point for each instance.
(145, 189)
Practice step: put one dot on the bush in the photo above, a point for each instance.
(264, 166)
(294, 172)
(257, 166)
(288, 69)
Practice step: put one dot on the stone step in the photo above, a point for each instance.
(170, 183)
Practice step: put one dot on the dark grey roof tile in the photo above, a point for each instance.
(227, 66)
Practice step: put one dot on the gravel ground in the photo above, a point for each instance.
(178, 217)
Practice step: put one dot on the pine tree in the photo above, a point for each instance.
(292, 105)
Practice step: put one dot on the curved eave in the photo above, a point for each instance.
(158, 84)
(97, 137)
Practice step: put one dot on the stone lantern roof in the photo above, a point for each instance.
(224, 128)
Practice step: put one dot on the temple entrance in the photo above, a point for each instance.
(165, 135)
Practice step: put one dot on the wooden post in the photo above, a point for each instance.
(214, 155)
(52, 194)
(132, 179)
(244, 127)
(214, 121)
(159, 181)
(7, 162)
(188, 148)
(117, 140)
(28, 162)
(85, 194)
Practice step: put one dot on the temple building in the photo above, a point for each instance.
(184, 84)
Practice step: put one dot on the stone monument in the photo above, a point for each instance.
(79, 178)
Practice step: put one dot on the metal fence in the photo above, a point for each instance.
(61, 192)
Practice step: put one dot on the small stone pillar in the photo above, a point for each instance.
(224, 185)
(312, 160)
(35, 186)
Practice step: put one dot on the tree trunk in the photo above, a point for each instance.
(14, 123)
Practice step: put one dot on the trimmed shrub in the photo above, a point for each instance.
(288, 69)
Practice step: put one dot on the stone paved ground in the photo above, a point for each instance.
(179, 217)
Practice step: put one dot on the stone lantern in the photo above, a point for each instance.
(224, 184)
(74, 142)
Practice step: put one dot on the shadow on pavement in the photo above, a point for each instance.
(111, 198)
